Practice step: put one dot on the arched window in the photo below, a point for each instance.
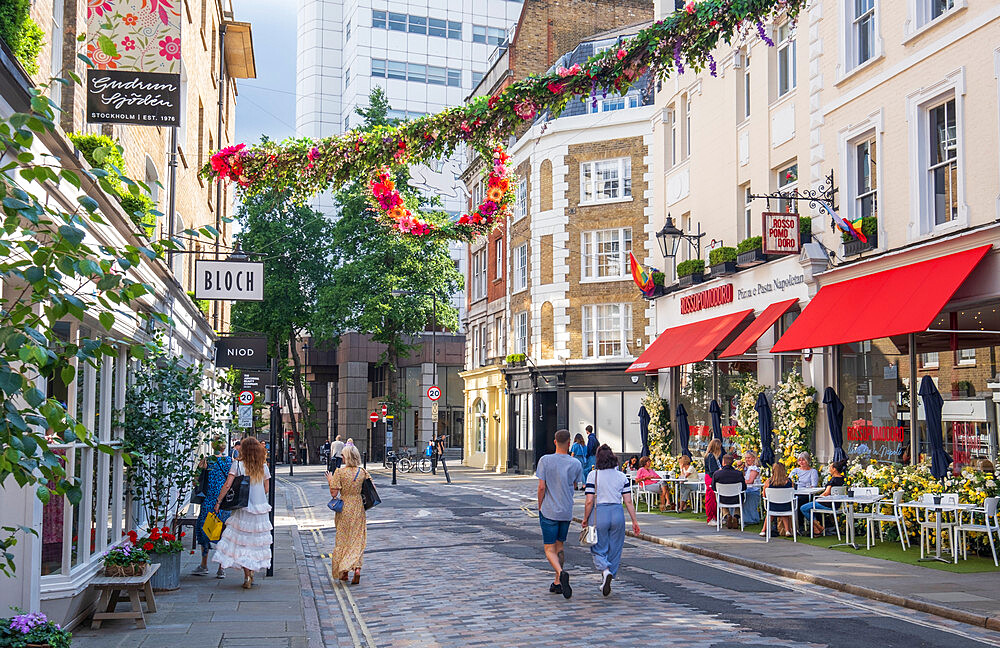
(481, 423)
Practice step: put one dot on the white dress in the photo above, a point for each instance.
(246, 540)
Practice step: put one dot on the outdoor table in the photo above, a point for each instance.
(849, 503)
(112, 588)
(676, 486)
(809, 492)
(939, 509)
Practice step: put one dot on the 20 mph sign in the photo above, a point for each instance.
(246, 397)
(433, 393)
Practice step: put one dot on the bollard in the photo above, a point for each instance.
(365, 458)
(445, 467)
(393, 471)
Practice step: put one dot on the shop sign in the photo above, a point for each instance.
(706, 430)
(229, 280)
(875, 433)
(241, 352)
(710, 298)
(253, 380)
(781, 233)
(881, 442)
(775, 285)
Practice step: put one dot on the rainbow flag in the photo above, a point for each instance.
(641, 278)
(852, 228)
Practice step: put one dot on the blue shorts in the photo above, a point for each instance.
(553, 530)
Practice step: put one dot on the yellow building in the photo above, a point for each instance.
(485, 418)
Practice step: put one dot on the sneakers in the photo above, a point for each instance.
(200, 570)
(555, 588)
(606, 585)
(220, 574)
(567, 591)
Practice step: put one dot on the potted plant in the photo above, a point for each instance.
(869, 227)
(691, 272)
(125, 560)
(749, 252)
(805, 229)
(165, 548)
(516, 359)
(33, 630)
(722, 261)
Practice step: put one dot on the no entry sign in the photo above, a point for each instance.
(373, 417)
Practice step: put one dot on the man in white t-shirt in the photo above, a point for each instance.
(337, 452)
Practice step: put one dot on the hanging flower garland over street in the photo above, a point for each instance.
(795, 411)
(304, 167)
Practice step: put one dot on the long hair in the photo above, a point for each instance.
(605, 458)
(714, 447)
(253, 455)
(779, 475)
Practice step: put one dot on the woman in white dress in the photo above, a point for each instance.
(246, 540)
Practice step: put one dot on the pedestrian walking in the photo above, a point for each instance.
(217, 467)
(438, 453)
(235, 452)
(607, 490)
(337, 453)
(713, 459)
(557, 473)
(579, 452)
(352, 534)
(592, 445)
(246, 540)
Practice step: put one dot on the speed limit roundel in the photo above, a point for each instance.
(433, 393)
(246, 397)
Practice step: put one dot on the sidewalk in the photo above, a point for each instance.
(969, 598)
(205, 611)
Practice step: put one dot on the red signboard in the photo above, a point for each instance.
(373, 417)
(781, 233)
(707, 299)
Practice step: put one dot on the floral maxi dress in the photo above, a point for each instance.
(352, 536)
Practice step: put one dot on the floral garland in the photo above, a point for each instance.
(661, 438)
(795, 411)
(747, 435)
(303, 167)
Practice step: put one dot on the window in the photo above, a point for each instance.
(940, 7)
(475, 347)
(417, 25)
(943, 163)
(615, 103)
(498, 338)
(378, 68)
(499, 260)
(521, 199)
(786, 59)
(965, 357)
(397, 22)
(347, 31)
(929, 360)
(484, 342)
(863, 31)
(787, 177)
(521, 332)
(674, 158)
(687, 129)
(747, 211)
(867, 196)
(416, 72)
(347, 76)
(454, 30)
(476, 77)
(437, 27)
(605, 330)
(520, 271)
(455, 78)
(488, 35)
(476, 276)
(378, 19)
(436, 75)
(478, 34)
(606, 180)
(746, 86)
(396, 70)
(605, 253)
(481, 423)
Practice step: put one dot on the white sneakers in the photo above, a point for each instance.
(606, 583)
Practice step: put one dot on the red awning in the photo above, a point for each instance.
(892, 302)
(686, 344)
(757, 328)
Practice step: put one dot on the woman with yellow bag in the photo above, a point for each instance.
(217, 469)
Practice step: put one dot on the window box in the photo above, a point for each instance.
(723, 261)
(855, 247)
(516, 360)
(723, 269)
(750, 253)
(691, 279)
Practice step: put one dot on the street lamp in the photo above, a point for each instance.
(670, 236)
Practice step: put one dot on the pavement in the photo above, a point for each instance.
(461, 565)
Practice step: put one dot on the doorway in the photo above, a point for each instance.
(545, 428)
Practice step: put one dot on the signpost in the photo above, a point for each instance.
(230, 280)
(373, 417)
(781, 233)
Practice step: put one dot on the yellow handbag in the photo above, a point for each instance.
(212, 527)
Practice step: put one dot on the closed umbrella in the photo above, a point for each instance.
(835, 419)
(683, 429)
(644, 430)
(766, 427)
(932, 412)
(716, 413)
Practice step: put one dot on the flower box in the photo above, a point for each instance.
(855, 247)
(751, 258)
(724, 268)
(691, 279)
(125, 571)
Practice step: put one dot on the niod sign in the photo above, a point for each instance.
(781, 233)
(241, 352)
(707, 299)
(129, 97)
(229, 280)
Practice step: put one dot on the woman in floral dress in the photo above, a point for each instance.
(218, 467)
(352, 535)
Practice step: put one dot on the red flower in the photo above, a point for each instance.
(555, 88)
(493, 101)
(713, 23)
(169, 537)
(130, 19)
(183, 534)
(170, 48)
(165, 530)
(148, 546)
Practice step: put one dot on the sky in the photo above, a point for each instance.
(266, 105)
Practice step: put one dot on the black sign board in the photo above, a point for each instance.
(254, 380)
(129, 97)
(242, 352)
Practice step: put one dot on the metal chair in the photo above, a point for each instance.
(728, 490)
(780, 496)
(877, 517)
(835, 491)
(931, 523)
(990, 525)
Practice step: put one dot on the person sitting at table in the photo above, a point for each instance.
(837, 469)
(632, 465)
(712, 456)
(751, 501)
(650, 481)
(685, 470)
(728, 475)
(779, 479)
(804, 476)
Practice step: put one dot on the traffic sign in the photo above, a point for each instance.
(434, 393)
(385, 409)
(246, 397)
(245, 416)
(373, 417)
(434, 412)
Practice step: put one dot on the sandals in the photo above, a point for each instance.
(343, 576)
(357, 577)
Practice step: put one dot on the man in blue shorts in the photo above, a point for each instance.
(557, 473)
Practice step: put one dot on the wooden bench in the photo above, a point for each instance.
(118, 589)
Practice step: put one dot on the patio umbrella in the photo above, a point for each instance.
(683, 429)
(644, 430)
(932, 412)
(766, 427)
(716, 413)
(835, 419)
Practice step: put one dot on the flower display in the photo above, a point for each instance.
(159, 540)
(747, 435)
(795, 410)
(33, 629)
(661, 438)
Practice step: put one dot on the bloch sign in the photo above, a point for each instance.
(229, 280)
(781, 233)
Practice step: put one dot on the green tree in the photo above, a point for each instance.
(370, 262)
(294, 241)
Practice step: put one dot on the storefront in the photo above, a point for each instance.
(485, 418)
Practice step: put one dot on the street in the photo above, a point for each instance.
(462, 565)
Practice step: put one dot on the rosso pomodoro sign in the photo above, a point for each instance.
(781, 233)
(707, 299)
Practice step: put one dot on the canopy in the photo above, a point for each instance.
(933, 403)
(757, 328)
(688, 343)
(897, 301)
(766, 428)
(835, 419)
(683, 429)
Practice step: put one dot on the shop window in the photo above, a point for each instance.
(786, 63)
(606, 329)
(876, 400)
(605, 253)
(482, 421)
(605, 180)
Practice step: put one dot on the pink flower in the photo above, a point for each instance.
(621, 54)
(98, 7)
(564, 72)
(556, 88)
(170, 48)
(689, 7)
(525, 110)
(128, 43)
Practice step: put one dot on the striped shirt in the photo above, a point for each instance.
(611, 485)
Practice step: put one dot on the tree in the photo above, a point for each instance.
(294, 241)
(370, 262)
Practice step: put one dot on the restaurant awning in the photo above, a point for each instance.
(757, 328)
(686, 344)
(892, 302)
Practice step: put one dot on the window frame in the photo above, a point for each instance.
(747, 210)
(593, 342)
(861, 193)
(591, 258)
(746, 87)
(521, 199)
(499, 260)
(786, 49)
(521, 332)
(589, 175)
(786, 185)
(949, 161)
(519, 270)
(379, 19)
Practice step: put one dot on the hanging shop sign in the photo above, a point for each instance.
(135, 51)
(254, 380)
(229, 280)
(242, 352)
(781, 233)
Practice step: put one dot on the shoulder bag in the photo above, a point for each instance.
(369, 496)
(238, 495)
(202, 488)
(588, 534)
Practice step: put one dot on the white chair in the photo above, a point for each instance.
(728, 490)
(699, 493)
(877, 517)
(990, 525)
(930, 523)
(633, 486)
(780, 496)
(835, 491)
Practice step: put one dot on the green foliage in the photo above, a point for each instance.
(125, 555)
(658, 278)
(690, 267)
(722, 255)
(40, 632)
(103, 153)
(515, 357)
(750, 244)
(202, 304)
(869, 227)
(805, 225)
(22, 35)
